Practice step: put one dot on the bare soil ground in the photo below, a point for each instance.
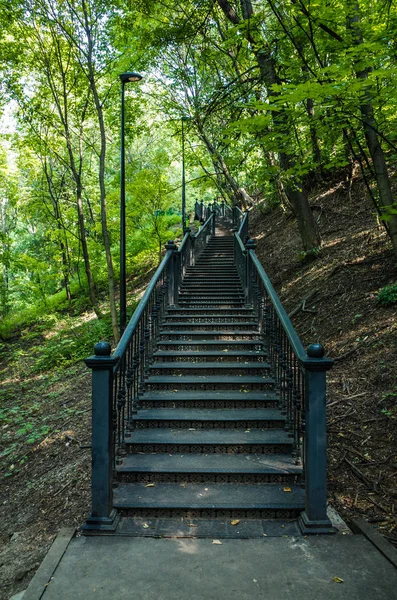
(356, 261)
(46, 467)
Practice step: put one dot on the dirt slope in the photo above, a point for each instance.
(355, 263)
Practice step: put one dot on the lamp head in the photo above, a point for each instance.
(126, 77)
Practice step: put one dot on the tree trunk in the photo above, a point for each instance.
(240, 193)
(386, 199)
(307, 225)
(101, 176)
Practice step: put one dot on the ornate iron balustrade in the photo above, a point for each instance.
(202, 212)
(118, 379)
(300, 376)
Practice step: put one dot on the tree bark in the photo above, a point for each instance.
(307, 225)
(101, 174)
(386, 199)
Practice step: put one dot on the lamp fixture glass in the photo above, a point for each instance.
(125, 77)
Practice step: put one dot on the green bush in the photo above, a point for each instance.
(388, 295)
(307, 256)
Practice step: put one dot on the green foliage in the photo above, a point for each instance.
(308, 256)
(388, 295)
(71, 344)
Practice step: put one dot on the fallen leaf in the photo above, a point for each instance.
(191, 525)
(235, 522)
(287, 489)
(149, 485)
(145, 526)
(255, 580)
(217, 542)
(338, 580)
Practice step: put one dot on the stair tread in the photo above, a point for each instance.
(242, 379)
(210, 395)
(209, 463)
(216, 496)
(210, 365)
(228, 323)
(209, 436)
(198, 353)
(214, 414)
(210, 331)
(200, 310)
(212, 343)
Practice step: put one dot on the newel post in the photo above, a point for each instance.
(249, 292)
(173, 273)
(314, 519)
(213, 222)
(104, 517)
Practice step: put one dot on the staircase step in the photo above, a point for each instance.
(177, 398)
(281, 464)
(232, 500)
(205, 346)
(195, 418)
(188, 334)
(219, 441)
(201, 356)
(205, 318)
(233, 328)
(209, 468)
(187, 369)
(237, 382)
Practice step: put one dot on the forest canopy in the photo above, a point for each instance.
(277, 97)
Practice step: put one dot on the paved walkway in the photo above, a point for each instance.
(123, 568)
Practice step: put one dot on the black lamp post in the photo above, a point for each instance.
(183, 119)
(125, 78)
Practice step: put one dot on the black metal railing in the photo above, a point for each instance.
(118, 379)
(221, 209)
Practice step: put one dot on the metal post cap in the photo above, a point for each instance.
(250, 244)
(102, 349)
(170, 245)
(315, 351)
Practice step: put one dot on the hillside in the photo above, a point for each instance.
(341, 311)
(47, 464)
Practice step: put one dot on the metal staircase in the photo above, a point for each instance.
(206, 421)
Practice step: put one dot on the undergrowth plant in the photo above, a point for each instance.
(388, 295)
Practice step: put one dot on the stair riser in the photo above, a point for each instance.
(218, 404)
(194, 319)
(191, 347)
(203, 359)
(156, 513)
(209, 314)
(203, 335)
(208, 449)
(208, 327)
(208, 478)
(210, 295)
(279, 424)
(233, 385)
(236, 371)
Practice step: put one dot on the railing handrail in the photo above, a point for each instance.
(243, 222)
(184, 241)
(279, 308)
(240, 242)
(239, 209)
(135, 319)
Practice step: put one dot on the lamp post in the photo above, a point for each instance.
(124, 78)
(183, 120)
